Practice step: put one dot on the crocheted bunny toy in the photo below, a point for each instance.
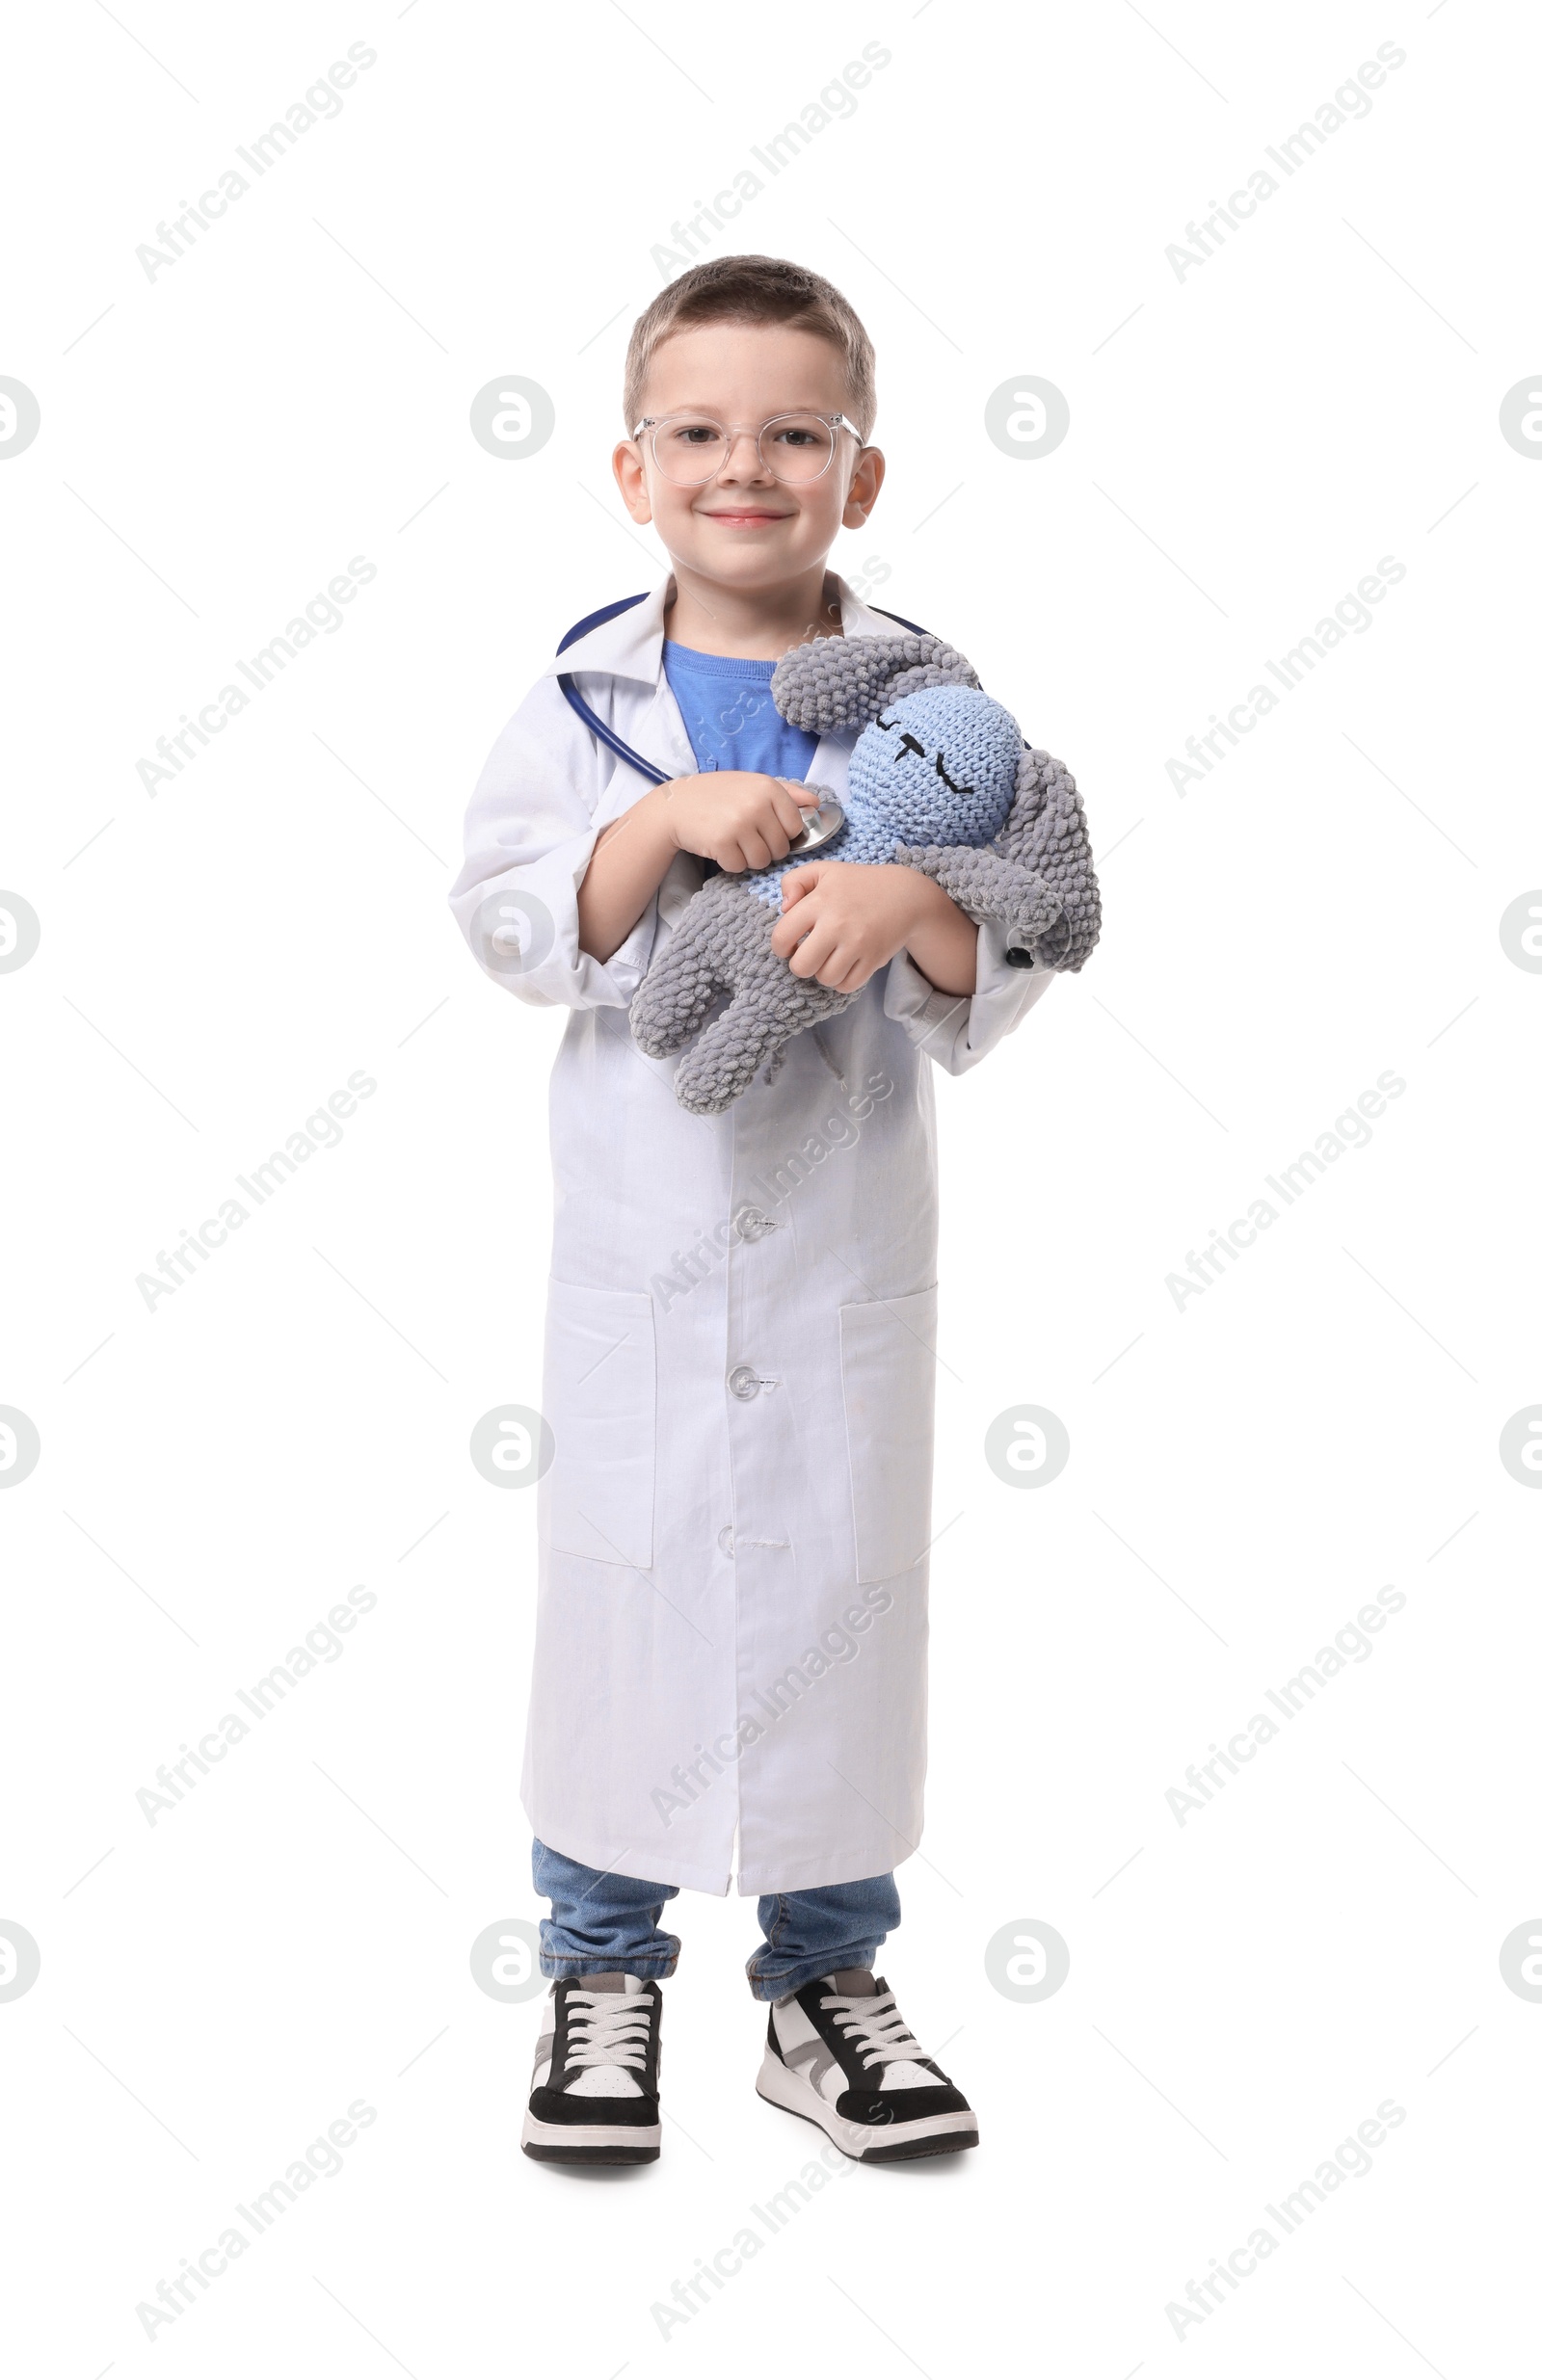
(933, 767)
(940, 780)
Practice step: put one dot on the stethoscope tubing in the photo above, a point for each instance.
(596, 726)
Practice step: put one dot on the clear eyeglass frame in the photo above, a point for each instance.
(655, 422)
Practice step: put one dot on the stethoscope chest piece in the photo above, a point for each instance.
(820, 826)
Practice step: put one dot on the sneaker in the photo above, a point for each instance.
(839, 2053)
(594, 2095)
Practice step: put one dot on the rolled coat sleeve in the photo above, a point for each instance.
(543, 798)
(956, 1029)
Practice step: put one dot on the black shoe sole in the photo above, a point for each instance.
(907, 2152)
(902, 2152)
(579, 2155)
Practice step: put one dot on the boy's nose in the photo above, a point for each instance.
(756, 466)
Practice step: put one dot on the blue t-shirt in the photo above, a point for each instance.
(729, 716)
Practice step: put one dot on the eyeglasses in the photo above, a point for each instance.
(692, 448)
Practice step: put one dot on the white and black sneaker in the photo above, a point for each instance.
(594, 2095)
(839, 2053)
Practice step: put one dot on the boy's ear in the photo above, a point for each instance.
(863, 493)
(632, 481)
(844, 681)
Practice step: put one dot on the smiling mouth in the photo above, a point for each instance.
(745, 513)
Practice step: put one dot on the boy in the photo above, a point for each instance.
(732, 1627)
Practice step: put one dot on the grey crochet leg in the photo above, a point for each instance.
(751, 1030)
(724, 945)
(770, 1005)
(671, 1002)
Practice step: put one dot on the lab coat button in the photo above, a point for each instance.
(753, 1223)
(744, 1382)
(725, 1542)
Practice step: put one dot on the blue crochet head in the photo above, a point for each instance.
(936, 767)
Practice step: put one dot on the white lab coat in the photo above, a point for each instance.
(740, 1371)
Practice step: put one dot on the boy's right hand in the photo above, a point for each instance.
(737, 817)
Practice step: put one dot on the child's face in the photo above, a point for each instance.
(744, 528)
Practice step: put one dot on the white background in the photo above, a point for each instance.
(1245, 444)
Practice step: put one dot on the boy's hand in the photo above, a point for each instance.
(841, 921)
(737, 817)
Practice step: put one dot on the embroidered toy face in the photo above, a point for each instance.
(936, 767)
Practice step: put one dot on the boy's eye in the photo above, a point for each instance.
(804, 435)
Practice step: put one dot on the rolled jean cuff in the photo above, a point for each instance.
(783, 1982)
(647, 1970)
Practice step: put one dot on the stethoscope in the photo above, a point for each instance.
(820, 824)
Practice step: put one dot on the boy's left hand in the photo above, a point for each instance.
(841, 921)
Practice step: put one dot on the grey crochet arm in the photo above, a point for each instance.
(1036, 879)
(994, 891)
(723, 945)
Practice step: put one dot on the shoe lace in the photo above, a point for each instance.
(610, 2029)
(876, 2028)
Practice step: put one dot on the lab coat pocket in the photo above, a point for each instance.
(599, 1400)
(888, 1371)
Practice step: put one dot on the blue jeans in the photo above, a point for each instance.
(602, 1922)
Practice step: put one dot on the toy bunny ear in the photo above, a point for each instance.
(1046, 832)
(844, 681)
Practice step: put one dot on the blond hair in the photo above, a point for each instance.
(754, 289)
